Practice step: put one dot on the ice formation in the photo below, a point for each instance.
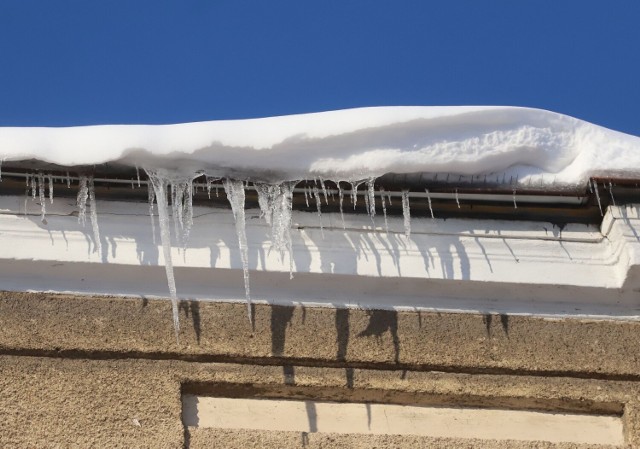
(93, 214)
(371, 209)
(429, 202)
(41, 196)
(182, 207)
(275, 201)
(384, 209)
(152, 198)
(83, 194)
(316, 195)
(595, 189)
(235, 194)
(160, 182)
(406, 213)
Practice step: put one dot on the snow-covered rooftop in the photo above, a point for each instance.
(527, 144)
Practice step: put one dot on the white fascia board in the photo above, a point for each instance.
(521, 267)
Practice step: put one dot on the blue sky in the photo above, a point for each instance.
(122, 61)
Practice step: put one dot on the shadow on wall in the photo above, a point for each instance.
(215, 232)
(379, 323)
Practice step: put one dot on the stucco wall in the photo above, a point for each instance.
(107, 372)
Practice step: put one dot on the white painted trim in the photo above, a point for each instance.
(459, 265)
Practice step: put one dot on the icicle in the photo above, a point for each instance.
(324, 191)
(26, 192)
(275, 201)
(160, 183)
(429, 201)
(515, 205)
(406, 212)
(34, 187)
(138, 175)
(83, 194)
(389, 198)
(266, 196)
(182, 208)
(1, 161)
(613, 200)
(187, 210)
(306, 196)
(93, 214)
(152, 197)
(209, 182)
(384, 209)
(595, 189)
(41, 196)
(341, 199)
(354, 194)
(457, 199)
(316, 194)
(236, 196)
(366, 202)
(68, 181)
(372, 199)
(50, 179)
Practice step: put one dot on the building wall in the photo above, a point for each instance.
(108, 372)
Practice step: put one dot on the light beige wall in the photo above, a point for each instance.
(84, 372)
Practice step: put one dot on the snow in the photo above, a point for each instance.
(353, 144)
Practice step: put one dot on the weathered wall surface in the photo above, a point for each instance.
(107, 372)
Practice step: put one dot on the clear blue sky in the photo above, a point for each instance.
(136, 61)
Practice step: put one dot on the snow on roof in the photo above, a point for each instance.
(528, 144)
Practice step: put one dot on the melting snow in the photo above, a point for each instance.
(351, 144)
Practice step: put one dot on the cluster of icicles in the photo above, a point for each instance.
(169, 191)
(173, 195)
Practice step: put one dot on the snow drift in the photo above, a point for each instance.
(529, 144)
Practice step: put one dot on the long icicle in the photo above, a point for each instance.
(160, 184)
(341, 200)
(371, 195)
(152, 198)
(595, 189)
(384, 209)
(93, 214)
(41, 196)
(83, 194)
(316, 195)
(429, 202)
(236, 196)
(50, 180)
(406, 212)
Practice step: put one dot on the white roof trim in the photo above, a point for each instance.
(454, 265)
